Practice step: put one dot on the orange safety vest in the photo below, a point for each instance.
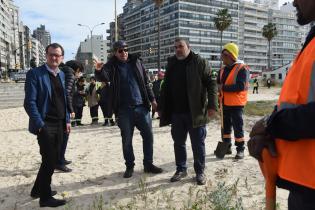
(296, 159)
(234, 98)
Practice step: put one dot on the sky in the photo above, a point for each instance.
(61, 19)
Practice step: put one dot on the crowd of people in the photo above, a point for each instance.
(186, 97)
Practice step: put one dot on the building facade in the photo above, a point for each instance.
(42, 35)
(191, 19)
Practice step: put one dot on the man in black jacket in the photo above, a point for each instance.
(188, 98)
(131, 99)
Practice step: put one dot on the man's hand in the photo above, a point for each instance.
(72, 115)
(211, 112)
(259, 127)
(154, 105)
(257, 143)
(98, 65)
(68, 128)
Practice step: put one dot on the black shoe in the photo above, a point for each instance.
(105, 124)
(63, 168)
(239, 155)
(37, 195)
(67, 162)
(128, 173)
(201, 179)
(152, 169)
(229, 151)
(73, 124)
(52, 202)
(178, 176)
(112, 123)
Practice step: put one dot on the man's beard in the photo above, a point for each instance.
(301, 19)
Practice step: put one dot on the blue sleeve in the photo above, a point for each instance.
(30, 100)
(293, 124)
(241, 79)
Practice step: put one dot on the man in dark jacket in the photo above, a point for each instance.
(131, 98)
(157, 88)
(188, 98)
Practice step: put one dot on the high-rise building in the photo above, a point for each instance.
(189, 19)
(111, 31)
(42, 35)
(253, 46)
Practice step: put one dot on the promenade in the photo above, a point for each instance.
(98, 167)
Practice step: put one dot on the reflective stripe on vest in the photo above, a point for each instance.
(296, 159)
(234, 98)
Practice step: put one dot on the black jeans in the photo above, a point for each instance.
(181, 126)
(94, 113)
(64, 143)
(49, 140)
(298, 201)
(233, 117)
(78, 113)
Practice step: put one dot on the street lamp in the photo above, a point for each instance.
(91, 33)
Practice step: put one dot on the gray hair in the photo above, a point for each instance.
(181, 39)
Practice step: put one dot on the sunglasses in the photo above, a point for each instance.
(122, 50)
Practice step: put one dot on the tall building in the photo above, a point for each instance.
(111, 31)
(42, 35)
(271, 4)
(190, 19)
(85, 54)
(289, 39)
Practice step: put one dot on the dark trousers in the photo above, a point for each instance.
(49, 140)
(64, 143)
(106, 114)
(94, 113)
(298, 201)
(255, 88)
(78, 113)
(233, 117)
(128, 119)
(181, 126)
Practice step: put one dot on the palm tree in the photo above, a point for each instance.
(269, 31)
(158, 3)
(222, 22)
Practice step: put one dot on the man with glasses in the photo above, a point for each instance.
(233, 86)
(46, 106)
(131, 99)
(188, 98)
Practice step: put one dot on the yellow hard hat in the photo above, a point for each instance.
(232, 48)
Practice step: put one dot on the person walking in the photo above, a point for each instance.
(233, 85)
(268, 83)
(256, 86)
(46, 105)
(157, 88)
(284, 143)
(93, 98)
(131, 99)
(103, 91)
(79, 101)
(188, 98)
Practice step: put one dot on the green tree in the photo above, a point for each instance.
(269, 31)
(222, 21)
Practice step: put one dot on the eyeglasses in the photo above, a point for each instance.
(54, 55)
(225, 54)
(122, 50)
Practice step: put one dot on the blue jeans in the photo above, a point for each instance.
(181, 126)
(139, 117)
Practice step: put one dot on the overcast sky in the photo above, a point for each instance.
(61, 18)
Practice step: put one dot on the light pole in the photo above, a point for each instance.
(91, 33)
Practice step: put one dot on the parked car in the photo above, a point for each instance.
(18, 76)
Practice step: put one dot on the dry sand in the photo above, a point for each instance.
(98, 165)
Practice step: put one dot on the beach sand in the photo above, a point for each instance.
(98, 167)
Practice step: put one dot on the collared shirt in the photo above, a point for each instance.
(53, 72)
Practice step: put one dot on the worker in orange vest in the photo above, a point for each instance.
(284, 143)
(233, 86)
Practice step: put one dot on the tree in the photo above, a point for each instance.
(222, 22)
(269, 31)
